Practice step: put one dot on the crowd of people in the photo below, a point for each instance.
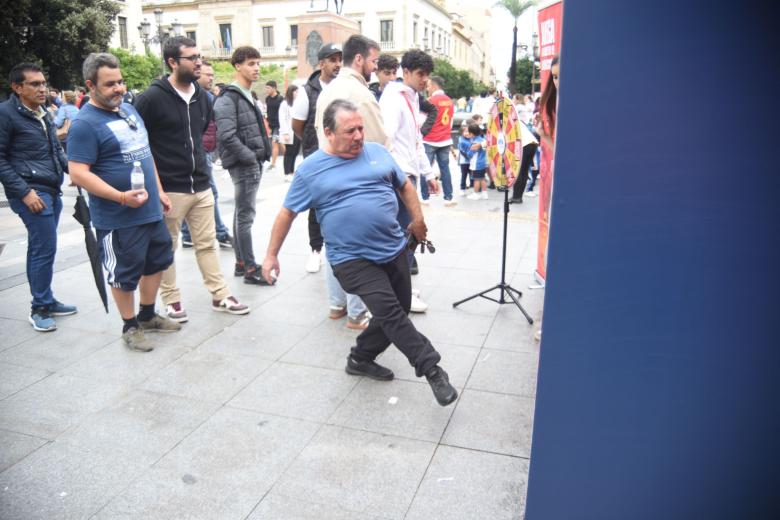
(147, 163)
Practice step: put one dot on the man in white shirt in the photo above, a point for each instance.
(400, 107)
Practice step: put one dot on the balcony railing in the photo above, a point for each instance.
(266, 51)
(387, 46)
(217, 52)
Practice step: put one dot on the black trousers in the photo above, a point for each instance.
(386, 289)
(518, 188)
(315, 234)
(290, 153)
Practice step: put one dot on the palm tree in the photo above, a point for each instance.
(516, 8)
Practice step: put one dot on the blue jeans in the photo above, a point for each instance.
(222, 230)
(339, 298)
(442, 155)
(41, 245)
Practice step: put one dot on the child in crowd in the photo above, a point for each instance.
(464, 144)
(477, 162)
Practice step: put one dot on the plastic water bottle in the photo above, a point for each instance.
(137, 177)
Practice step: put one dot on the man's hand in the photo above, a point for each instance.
(33, 202)
(271, 263)
(135, 198)
(433, 186)
(418, 229)
(166, 203)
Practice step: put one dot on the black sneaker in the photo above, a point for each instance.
(414, 269)
(186, 243)
(239, 269)
(370, 369)
(444, 392)
(255, 277)
(225, 242)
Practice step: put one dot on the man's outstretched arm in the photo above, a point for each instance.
(409, 197)
(279, 232)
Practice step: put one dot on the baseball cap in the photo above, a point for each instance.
(328, 50)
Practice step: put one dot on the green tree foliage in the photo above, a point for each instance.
(138, 70)
(523, 75)
(58, 34)
(457, 82)
(224, 72)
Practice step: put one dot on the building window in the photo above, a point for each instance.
(360, 26)
(293, 36)
(122, 22)
(414, 32)
(192, 36)
(226, 34)
(386, 30)
(268, 36)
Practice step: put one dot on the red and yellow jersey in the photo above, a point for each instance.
(443, 126)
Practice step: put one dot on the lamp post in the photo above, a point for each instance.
(535, 51)
(145, 31)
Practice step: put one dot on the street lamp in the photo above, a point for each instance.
(535, 51)
(145, 30)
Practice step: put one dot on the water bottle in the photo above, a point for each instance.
(137, 177)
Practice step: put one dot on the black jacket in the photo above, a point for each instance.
(241, 134)
(176, 135)
(29, 157)
(310, 143)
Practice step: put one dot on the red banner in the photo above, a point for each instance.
(550, 21)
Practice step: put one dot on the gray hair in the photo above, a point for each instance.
(329, 117)
(95, 61)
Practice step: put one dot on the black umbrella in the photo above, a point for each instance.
(81, 214)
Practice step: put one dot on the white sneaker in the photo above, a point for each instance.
(450, 202)
(530, 194)
(483, 195)
(425, 202)
(462, 193)
(314, 262)
(474, 196)
(288, 177)
(418, 305)
(176, 312)
(415, 292)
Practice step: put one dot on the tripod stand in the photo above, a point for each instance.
(504, 288)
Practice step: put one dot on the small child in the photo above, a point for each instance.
(464, 144)
(477, 162)
(480, 122)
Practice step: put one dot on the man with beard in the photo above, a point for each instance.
(303, 112)
(105, 143)
(176, 112)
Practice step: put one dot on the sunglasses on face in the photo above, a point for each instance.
(124, 115)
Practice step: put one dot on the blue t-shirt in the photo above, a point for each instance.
(478, 158)
(109, 145)
(355, 201)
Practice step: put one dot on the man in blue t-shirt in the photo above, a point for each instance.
(352, 186)
(104, 143)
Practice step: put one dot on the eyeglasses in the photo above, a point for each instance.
(35, 84)
(124, 115)
(194, 58)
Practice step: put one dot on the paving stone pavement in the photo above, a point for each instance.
(254, 417)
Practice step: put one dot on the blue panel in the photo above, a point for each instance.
(658, 388)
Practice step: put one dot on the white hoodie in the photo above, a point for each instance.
(400, 108)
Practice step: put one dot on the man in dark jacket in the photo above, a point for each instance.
(303, 112)
(243, 147)
(176, 112)
(32, 164)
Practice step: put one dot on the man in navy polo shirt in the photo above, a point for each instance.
(104, 143)
(348, 177)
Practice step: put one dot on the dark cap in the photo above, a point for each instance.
(328, 49)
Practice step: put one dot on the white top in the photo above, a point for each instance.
(186, 96)
(285, 118)
(300, 108)
(402, 126)
(483, 106)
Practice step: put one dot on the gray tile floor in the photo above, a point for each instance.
(254, 417)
